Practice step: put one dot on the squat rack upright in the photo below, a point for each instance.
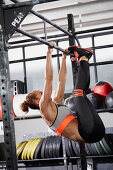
(11, 16)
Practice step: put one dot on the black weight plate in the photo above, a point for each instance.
(95, 153)
(54, 147)
(78, 148)
(110, 143)
(104, 148)
(48, 141)
(51, 147)
(37, 153)
(71, 148)
(43, 148)
(59, 147)
(107, 144)
(100, 148)
(95, 145)
(74, 148)
(87, 150)
(67, 148)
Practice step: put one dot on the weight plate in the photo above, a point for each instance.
(43, 148)
(89, 148)
(20, 149)
(71, 148)
(78, 148)
(48, 141)
(95, 153)
(74, 148)
(19, 145)
(100, 148)
(19, 155)
(54, 147)
(37, 154)
(104, 148)
(51, 147)
(34, 147)
(67, 148)
(108, 145)
(29, 150)
(23, 156)
(59, 151)
(95, 145)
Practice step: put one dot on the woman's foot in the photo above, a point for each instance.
(79, 52)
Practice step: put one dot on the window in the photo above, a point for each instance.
(15, 54)
(35, 74)
(16, 71)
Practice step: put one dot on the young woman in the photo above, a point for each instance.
(86, 126)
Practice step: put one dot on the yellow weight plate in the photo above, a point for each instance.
(21, 149)
(34, 147)
(18, 145)
(29, 149)
(25, 154)
(25, 149)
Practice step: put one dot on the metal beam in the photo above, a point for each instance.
(75, 70)
(50, 22)
(23, 4)
(47, 20)
(6, 98)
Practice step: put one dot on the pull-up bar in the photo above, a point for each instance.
(45, 19)
(42, 40)
(50, 22)
(39, 39)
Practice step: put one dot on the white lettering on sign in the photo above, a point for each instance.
(18, 19)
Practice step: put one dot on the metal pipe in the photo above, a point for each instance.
(45, 31)
(94, 30)
(50, 22)
(94, 59)
(24, 67)
(47, 20)
(78, 42)
(39, 39)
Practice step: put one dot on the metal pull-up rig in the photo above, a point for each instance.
(11, 16)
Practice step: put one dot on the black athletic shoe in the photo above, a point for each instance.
(78, 52)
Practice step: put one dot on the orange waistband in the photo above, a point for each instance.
(78, 92)
(64, 123)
